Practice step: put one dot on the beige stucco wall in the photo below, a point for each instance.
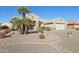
(76, 26)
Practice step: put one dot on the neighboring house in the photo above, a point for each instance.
(70, 25)
(76, 26)
(73, 25)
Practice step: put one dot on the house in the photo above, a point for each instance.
(57, 23)
(60, 24)
(70, 25)
(76, 26)
(47, 23)
(73, 25)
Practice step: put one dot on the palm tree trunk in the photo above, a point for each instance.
(26, 29)
(23, 28)
(24, 16)
(20, 30)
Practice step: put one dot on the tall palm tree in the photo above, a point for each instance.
(23, 11)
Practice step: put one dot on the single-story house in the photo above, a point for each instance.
(73, 25)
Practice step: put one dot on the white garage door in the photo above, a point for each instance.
(60, 26)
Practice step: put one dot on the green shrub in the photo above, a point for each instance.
(41, 29)
(47, 28)
(53, 27)
(13, 29)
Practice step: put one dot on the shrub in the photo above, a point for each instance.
(77, 28)
(47, 28)
(13, 29)
(41, 36)
(5, 27)
(53, 27)
(41, 29)
(3, 34)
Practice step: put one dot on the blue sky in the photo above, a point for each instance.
(46, 12)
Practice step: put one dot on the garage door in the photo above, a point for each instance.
(60, 26)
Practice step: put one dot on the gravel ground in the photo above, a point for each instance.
(71, 44)
(54, 42)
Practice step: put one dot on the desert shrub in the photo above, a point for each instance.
(53, 27)
(13, 29)
(5, 27)
(41, 29)
(2, 34)
(77, 28)
(7, 31)
(47, 28)
(41, 36)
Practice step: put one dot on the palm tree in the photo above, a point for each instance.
(23, 11)
(14, 21)
(28, 23)
(18, 23)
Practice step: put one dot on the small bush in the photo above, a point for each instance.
(2, 34)
(41, 29)
(13, 29)
(7, 31)
(5, 27)
(77, 28)
(41, 36)
(47, 28)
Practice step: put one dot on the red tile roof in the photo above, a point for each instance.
(72, 22)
